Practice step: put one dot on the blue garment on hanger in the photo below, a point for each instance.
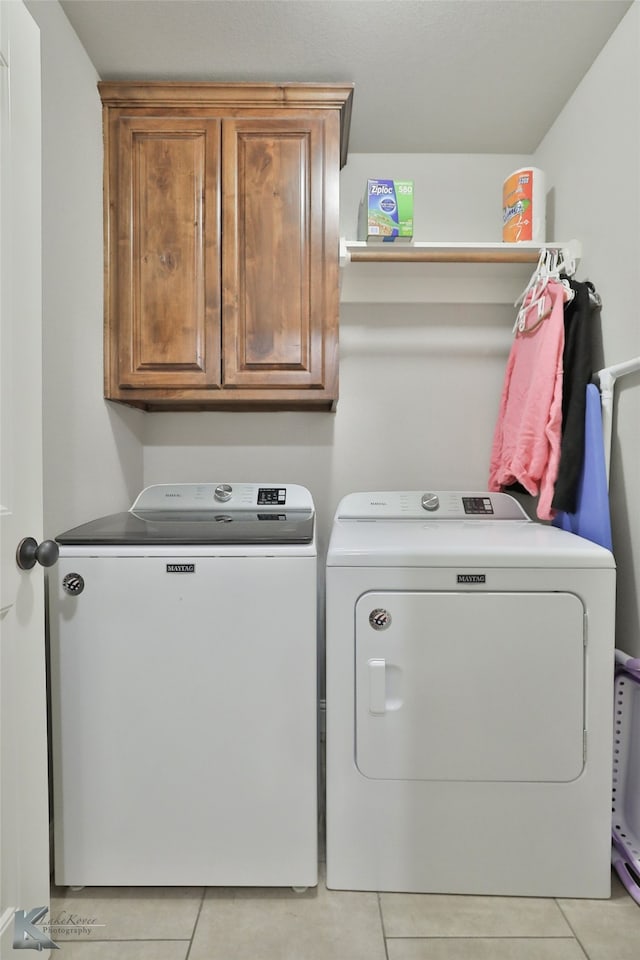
(592, 519)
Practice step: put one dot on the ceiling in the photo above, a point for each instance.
(431, 76)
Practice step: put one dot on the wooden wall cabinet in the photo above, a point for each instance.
(222, 243)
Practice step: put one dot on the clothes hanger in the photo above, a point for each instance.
(533, 294)
(551, 263)
(533, 279)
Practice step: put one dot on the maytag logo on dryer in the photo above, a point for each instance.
(471, 578)
(181, 568)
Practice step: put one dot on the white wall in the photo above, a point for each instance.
(591, 157)
(92, 452)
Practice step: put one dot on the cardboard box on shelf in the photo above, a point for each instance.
(386, 211)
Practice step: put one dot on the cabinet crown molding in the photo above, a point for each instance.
(219, 95)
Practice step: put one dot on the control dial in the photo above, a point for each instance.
(430, 501)
(223, 492)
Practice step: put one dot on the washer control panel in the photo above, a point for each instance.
(235, 496)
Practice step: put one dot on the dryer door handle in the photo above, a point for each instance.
(377, 686)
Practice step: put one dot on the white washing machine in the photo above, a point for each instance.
(183, 688)
(469, 699)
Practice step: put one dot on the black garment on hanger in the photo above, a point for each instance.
(579, 315)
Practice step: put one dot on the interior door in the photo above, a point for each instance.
(24, 876)
(470, 686)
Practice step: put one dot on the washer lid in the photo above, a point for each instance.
(206, 513)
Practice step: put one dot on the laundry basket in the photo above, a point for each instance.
(625, 851)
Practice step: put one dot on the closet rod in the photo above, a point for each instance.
(607, 380)
(433, 251)
(413, 254)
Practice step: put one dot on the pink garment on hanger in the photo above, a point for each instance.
(526, 442)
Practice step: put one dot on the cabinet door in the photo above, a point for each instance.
(280, 254)
(164, 255)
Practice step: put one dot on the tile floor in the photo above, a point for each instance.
(321, 924)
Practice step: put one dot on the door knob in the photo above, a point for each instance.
(28, 553)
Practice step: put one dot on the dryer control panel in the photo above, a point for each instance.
(436, 505)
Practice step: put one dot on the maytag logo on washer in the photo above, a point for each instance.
(471, 578)
(181, 568)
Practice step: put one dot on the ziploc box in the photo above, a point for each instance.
(386, 212)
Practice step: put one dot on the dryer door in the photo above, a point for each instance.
(470, 686)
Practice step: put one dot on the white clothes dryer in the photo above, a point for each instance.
(469, 699)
